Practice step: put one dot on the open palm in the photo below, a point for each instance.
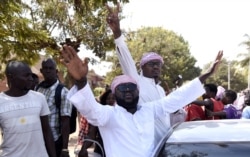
(77, 68)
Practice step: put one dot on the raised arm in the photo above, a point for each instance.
(81, 95)
(206, 102)
(213, 68)
(113, 20)
(77, 68)
(126, 61)
(221, 114)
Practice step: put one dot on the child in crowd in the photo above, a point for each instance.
(229, 112)
(246, 107)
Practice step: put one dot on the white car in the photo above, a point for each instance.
(212, 138)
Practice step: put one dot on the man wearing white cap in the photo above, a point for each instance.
(127, 128)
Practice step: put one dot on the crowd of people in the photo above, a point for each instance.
(128, 119)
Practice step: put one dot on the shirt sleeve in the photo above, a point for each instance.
(45, 107)
(126, 61)
(86, 104)
(246, 113)
(179, 98)
(66, 106)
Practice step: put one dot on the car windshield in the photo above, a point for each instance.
(206, 150)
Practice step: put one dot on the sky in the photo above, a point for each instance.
(207, 25)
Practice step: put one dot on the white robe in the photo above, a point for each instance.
(125, 134)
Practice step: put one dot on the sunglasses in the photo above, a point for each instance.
(126, 87)
(152, 64)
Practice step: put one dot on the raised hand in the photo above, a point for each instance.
(216, 62)
(77, 68)
(113, 19)
(213, 68)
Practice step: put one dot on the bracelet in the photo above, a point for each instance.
(65, 150)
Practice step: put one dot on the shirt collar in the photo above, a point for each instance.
(150, 80)
(54, 85)
(116, 106)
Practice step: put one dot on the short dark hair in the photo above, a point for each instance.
(49, 59)
(12, 65)
(104, 97)
(212, 87)
(35, 76)
(231, 94)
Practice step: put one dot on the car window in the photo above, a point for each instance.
(206, 150)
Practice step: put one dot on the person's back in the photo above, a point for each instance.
(194, 112)
(217, 107)
(59, 118)
(232, 112)
(24, 116)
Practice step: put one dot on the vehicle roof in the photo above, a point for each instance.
(237, 130)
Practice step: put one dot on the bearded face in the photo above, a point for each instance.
(127, 95)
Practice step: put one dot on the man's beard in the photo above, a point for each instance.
(127, 105)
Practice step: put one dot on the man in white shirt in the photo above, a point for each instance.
(127, 128)
(148, 81)
(24, 118)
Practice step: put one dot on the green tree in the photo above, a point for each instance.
(229, 70)
(28, 27)
(173, 48)
(246, 56)
(19, 39)
(82, 21)
(245, 61)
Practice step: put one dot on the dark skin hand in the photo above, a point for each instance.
(65, 120)
(113, 20)
(48, 137)
(83, 153)
(91, 135)
(207, 102)
(77, 68)
(213, 68)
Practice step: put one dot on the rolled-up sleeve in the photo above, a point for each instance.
(86, 104)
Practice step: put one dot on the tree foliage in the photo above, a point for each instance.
(173, 48)
(246, 56)
(82, 21)
(229, 70)
(28, 27)
(19, 39)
